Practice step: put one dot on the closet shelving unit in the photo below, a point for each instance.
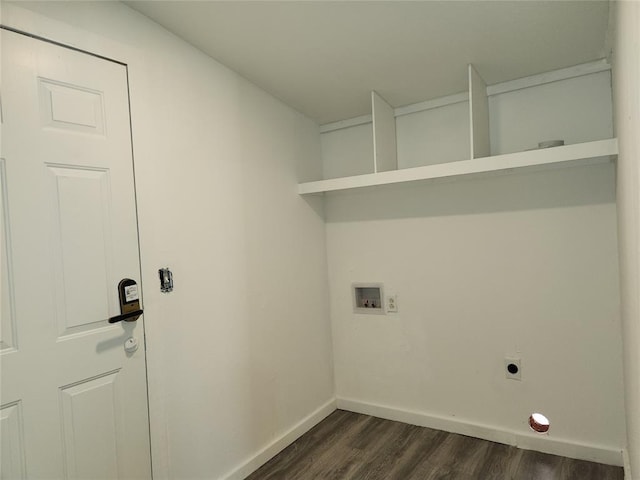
(385, 170)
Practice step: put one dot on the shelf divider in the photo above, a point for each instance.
(478, 115)
(384, 135)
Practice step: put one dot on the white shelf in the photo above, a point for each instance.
(582, 153)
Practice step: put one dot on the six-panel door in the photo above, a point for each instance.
(73, 401)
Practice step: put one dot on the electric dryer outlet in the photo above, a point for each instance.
(513, 368)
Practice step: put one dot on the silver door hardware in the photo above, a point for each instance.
(166, 280)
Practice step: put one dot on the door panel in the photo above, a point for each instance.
(13, 460)
(8, 338)
(71, 107)
(74, 402)
(83, 457)
(80, 221)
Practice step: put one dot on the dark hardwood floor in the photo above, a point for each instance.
(352, 446)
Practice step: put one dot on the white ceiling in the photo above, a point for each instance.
(324, 57)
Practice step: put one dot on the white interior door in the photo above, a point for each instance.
(73, 401)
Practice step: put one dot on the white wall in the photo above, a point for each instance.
(626, 77)
(511, 266)
(518, 265)
(240, 353)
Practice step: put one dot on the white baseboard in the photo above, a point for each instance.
(269, 451)
(627, 465)
(545, 444)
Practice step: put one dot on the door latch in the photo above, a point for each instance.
(130, 309)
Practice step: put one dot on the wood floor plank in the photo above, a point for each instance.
(343, 459)
(295, 457)
(389, 450)
(350, 446)
(425, 441)
(538, 466)
(500, 463)
(579, 469)
(457, 457)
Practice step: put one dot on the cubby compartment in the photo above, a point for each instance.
(362, 145)
(576, 110)
(347, 151)
(439, 134)
(489, 128)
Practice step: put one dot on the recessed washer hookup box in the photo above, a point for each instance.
(367, 298)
